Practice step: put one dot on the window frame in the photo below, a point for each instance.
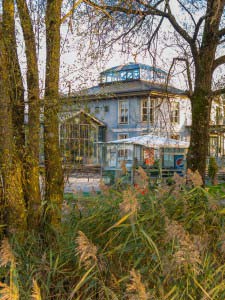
(150, 110)
(119, 136)
(175, 112)
(175, 136)
(120, 112)
(97, 109)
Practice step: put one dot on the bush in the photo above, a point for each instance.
(213, 170)
(166, 244)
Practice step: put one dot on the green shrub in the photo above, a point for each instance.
(213, 169)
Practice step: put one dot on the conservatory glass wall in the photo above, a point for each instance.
(78, 141)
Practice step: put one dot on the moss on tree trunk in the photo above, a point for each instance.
(53, 163)
(32, 187)
(199, 143)
(15, 77)
(13, 209)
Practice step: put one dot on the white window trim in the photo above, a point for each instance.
(151, 103)
(171, 112)
(119, 134)
(142, 100)
(119, 112)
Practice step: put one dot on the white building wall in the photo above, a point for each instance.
(163, 125)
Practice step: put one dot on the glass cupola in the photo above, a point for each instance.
(132, 71)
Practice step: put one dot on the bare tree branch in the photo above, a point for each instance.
(150, 10)
(123, 35)
(190, 92)
(155, 32)
(189, 13)
(198, 27)
(221, 33)
(218, 92)
(219, 61)
(75, 5)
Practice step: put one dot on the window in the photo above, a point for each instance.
(103, 78)
(123, 112)
(109, 77)
(213, 145)
(124, 152)
(175, 112)
(175, 136)
(106, 109)
(129, 75)
(218, 115)
(77, 141)
(136, 74)
(122, 136)
(144, 110)
(168, 160)
(97, 109)
(147, 110)
(123, 75)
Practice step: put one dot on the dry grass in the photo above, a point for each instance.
(127, 246)
(11, 291)
(194, 177)
(130, 202)
(6, 254)
(36, 292)
(136, 289)
(86, 250)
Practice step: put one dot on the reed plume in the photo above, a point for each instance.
(6, 254)
(187, 253)
(36, 292)
(136, 289)
(194, 177)
(129, 205)
(86, 250)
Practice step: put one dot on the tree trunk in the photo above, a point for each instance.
(17, 89)
(13, 210)
(201, 99)
(198, 150)
(32, 189)
(53, 163)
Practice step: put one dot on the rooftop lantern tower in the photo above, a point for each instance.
(132, 71)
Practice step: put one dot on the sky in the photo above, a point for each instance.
(79, 70)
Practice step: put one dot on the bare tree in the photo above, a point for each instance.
(202, 31)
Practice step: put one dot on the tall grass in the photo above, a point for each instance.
(166, 244)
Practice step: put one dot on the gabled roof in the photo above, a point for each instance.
(66, 116)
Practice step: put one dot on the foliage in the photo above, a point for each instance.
(165, 244)
(212, 169)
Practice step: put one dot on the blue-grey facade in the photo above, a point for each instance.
(130, 100)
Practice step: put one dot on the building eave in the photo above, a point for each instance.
(126, 89)
(147, 93)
